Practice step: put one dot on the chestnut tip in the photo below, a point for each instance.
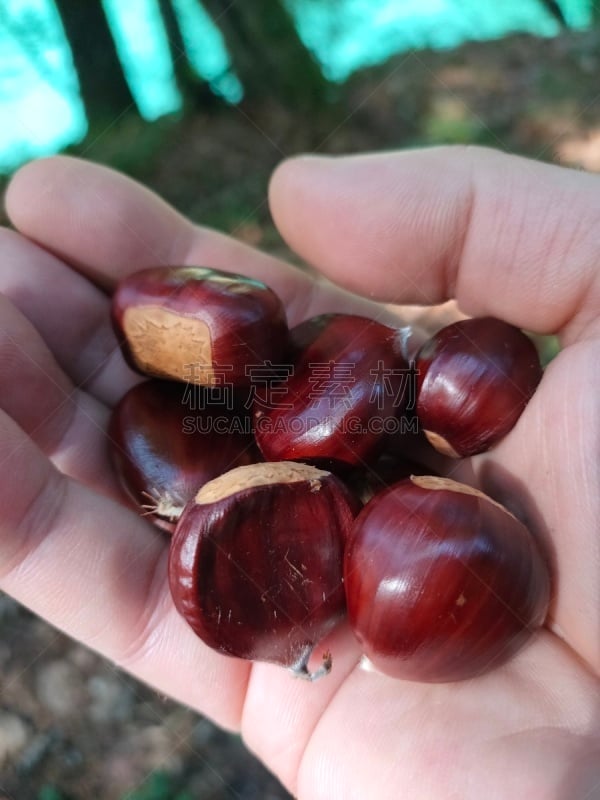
(300, 668)
(165, 505)
(160, 458)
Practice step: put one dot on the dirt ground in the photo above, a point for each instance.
(71, 725)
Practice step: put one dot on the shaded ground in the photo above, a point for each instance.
(71, 726)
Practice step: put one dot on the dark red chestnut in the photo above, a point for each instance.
(348, 379)
(255, 564)
(442, 583)
(198, 325)
(475, 377)
(167, 440)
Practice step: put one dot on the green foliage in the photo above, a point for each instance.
(548, 348)
(449, 121)
(51, 793)
(159, 786)
(239, 203)
(438, 130)
(130, 145)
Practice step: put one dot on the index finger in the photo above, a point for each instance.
(107, 225)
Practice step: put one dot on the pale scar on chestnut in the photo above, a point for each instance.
(436, 483)
(440, 444)
(263, 474)
(168, 344)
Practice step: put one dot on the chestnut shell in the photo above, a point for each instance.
(442, 584)
(361, 379)
(197, 324)
(257, 573)
(475, 377)
(164, 450)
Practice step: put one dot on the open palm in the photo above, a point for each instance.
(506, 237)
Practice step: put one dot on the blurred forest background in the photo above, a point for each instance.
(200, 100)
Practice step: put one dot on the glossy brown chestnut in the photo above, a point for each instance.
(475, 377)
(255, 565)
(167, 440)
(347, 382)
(198, 325)
(442, 583)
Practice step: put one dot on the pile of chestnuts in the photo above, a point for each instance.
(263, 452)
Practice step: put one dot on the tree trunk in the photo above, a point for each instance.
(555, 10)
(194, 89)
(176, 43)
(266, 52)
(103, 87)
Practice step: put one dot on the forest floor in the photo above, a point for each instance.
(71, 725)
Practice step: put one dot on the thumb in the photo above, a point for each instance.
(504, 235)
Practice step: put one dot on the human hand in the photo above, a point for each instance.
(507, 237)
